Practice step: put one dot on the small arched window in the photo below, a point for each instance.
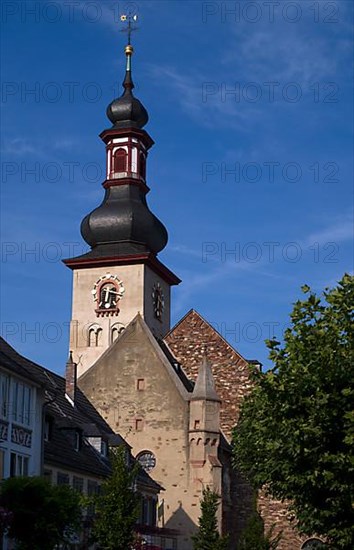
(120, 160)
(98, 337)
(116, 330)
(94, 336)
(313, 544)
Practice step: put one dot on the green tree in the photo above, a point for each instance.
(42, 515)
(253, 536)
(207, 537)
(295, 436)
(117, 507)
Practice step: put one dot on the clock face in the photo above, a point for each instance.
(107, 292)
(147, 460)
(158, 301)
(108, 296)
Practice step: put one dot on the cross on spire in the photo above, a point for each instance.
(129, 18)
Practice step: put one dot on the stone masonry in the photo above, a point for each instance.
(232, 381)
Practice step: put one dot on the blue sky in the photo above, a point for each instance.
(250, 109)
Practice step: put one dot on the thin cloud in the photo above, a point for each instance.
(210, 112)
(340, 231)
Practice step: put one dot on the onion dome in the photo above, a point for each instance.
(127, 111)
(123, 224)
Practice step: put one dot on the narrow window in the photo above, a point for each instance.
(77, 441)
(92, 338)
(18, 465)
(26, 405)
(138, 424)
(104, 448)
(63, 479)
(13, 465)
(120, 161)
(140, 384)
(48, 426)
(98, 337)
(78, 484)
(4, 395)
(2, 459)
(48, 475)
(142, 166)
(15, 399)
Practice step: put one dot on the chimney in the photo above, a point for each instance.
(70, 379)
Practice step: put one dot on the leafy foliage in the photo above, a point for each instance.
(295, 436)
(5, 521)
(208, 537)
(117, 507)
(254, 538)
(42, 515)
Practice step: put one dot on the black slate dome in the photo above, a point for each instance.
(124, 222)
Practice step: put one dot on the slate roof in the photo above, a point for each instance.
(188, 384)
(60, 450)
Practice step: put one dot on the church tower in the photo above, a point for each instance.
(121, 275)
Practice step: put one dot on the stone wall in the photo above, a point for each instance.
(139, 394)
(232, 381)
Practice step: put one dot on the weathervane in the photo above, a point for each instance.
(131, 19)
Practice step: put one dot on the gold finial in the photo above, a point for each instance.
(129, 50)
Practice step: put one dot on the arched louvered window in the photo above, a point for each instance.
(120, 161)
(94, 336)
(116, 331)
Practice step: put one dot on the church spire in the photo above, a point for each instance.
(121, 275)
(123, 224)
(204, 388)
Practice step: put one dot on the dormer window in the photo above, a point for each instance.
(48, 428)
(77, 440)
(104, 448)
